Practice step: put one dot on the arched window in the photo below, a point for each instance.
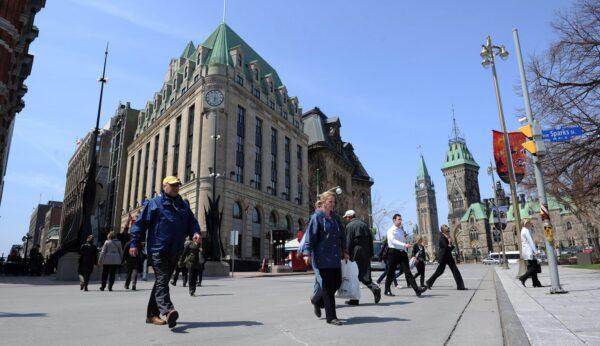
(288, 224)
(256, 233)
(238, 225)
(301, 224)
(273, 219)
(363, 199)
(473, 235)
(569, 226)
(237, 211)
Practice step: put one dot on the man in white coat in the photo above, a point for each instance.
(528, 252)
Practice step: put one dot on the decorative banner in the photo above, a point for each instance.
(517, 152)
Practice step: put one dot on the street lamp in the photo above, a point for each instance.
(488, 51)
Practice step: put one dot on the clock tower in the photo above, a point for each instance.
(427, 209)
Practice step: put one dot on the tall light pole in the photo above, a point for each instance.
(488, 51)
(539, 179)
(495, 203)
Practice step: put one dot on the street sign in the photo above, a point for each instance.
(561, 135)
(234, 238)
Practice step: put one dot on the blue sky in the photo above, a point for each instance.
(391, 70)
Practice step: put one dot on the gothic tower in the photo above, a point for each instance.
(462, 183)
(426, 208)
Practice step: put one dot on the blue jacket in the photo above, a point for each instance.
(324, 240)
(168, 222)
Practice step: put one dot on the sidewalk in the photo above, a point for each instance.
(557, 319)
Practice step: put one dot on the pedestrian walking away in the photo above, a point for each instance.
(528, 252)
(359, 240)
(397, 256)
(168, 221)
(420, 256)
(133, 265)
(180, 268)
(88, 259)
(111, 257)
(446, 245)
(324, 245)
(193, 259)
(383, 257)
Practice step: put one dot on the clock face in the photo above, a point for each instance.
(214, 98)
(422, 185)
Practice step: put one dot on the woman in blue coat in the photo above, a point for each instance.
(325, 245)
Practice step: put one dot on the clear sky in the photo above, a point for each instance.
(391, 70)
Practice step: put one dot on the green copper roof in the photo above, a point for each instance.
(458, 154)
(476, 209)
(189, 50)
(223, 39)
(422, 173)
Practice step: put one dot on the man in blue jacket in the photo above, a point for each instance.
(168, 221)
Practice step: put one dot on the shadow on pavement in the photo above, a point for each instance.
(372, 319)
(373, 304)
(16, 314)
(214, 294)
(182, 327)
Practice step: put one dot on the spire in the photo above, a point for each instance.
(456, 136)
(189, 50)
(422, 173)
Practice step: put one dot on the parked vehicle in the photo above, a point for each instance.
(376, 263)
(492, 258)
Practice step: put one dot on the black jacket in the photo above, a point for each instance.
(133, 262)
(359, 240)
(445, 249)
(88, 257)
(192, 256)
(418, 251)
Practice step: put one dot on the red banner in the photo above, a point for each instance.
(517, 152)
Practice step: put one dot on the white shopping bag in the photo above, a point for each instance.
(411, 263)
(350, 288)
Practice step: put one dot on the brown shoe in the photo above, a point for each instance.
(172, 317)
(156, 320)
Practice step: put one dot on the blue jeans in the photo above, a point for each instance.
(160, 300)
(315, 298)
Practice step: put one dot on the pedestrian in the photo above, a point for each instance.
(324, 244)
(528, 252)
(314, 298)
(446, 245)
(111, 257)
(36, 261)
(88, 259)
(168, 221)
(201, 267)
(397, 256)
(133, 265)
(359, 240)
(180, 268)
(193, 259)
(420, 256)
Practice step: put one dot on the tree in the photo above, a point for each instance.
(382, 215)
(565, 91)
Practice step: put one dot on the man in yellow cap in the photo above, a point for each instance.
(168, 220)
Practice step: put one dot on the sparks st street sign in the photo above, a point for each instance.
(561, 135)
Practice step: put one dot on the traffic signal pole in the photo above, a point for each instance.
(539, 179)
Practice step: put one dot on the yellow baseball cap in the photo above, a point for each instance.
(171, 180)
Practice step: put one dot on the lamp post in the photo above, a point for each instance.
(501, 230)
(488, 51)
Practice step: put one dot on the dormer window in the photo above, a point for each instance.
(239, 60)
(255, 74)
(186, 72)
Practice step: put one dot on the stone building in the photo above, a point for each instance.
(428, 226)
(123, 126)
(36, 224)
(16, 34)
(332, 162)
(259, 155)
(52, 221)
(76, 174)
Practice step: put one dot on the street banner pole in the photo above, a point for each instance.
(548, 233)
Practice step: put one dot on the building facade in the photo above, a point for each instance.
(223, 115)
(74, 186)
(36, 224)
(428, 226)
(52, 221)
(16, 34)
(123, 127)
(332, 163)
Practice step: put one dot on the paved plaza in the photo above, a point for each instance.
(245, 311)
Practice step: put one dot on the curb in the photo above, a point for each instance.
(512, 329)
